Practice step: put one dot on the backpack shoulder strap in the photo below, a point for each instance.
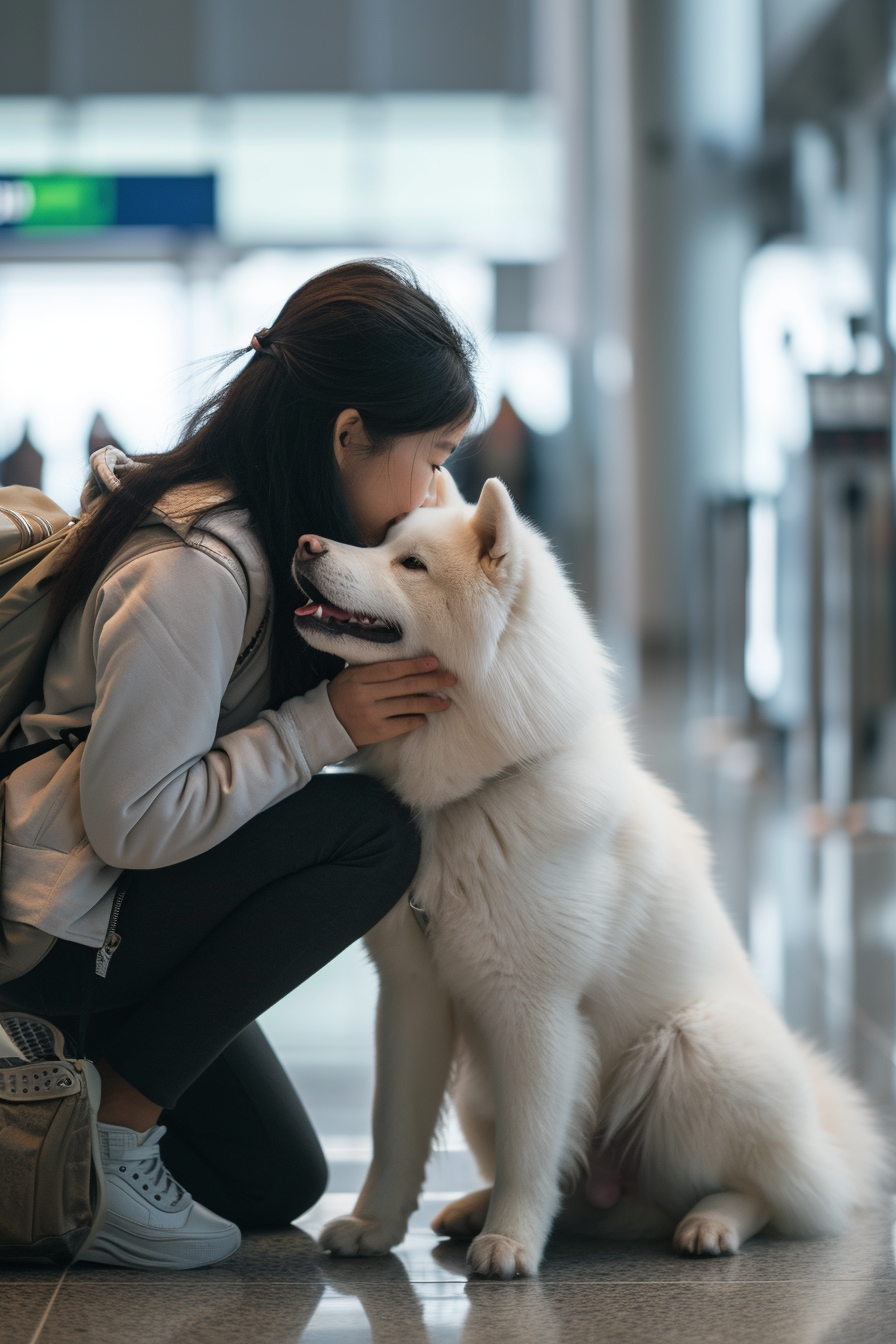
(28, 519)
(32, 529)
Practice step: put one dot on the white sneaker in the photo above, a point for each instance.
(151, 1222)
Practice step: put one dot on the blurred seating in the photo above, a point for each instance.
(23, 466)
(100, 437)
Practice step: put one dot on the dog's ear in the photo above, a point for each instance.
(494, 523)
(447, 494)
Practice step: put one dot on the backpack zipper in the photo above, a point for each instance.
(110, 945)
(26, 531)
(42, 523)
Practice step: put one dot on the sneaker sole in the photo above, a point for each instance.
(141, 1253)
(33, 1036)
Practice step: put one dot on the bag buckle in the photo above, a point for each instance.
(72, 737)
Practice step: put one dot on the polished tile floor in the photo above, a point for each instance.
(280, 1287)
(819, 917)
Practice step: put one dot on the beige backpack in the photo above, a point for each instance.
(51, 1174)
(52, 1202)
(32, 527)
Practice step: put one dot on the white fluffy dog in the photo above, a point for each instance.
(578, 982)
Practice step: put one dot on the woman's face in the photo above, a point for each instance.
(382, 488)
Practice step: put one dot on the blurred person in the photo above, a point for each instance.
(190, 860)
(506, 449)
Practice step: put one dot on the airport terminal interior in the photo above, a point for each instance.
(670, 227)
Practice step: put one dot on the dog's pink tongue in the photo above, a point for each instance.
(603, 1187)
(326, 609)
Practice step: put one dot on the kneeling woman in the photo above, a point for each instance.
(190, 860)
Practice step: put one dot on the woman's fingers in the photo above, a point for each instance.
(420, 685)
(419, 704)
(376, 701)
(395, 727)
(403, 667)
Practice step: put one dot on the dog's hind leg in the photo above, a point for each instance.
(728, 1128)
(463, 1218)
(719, 1224)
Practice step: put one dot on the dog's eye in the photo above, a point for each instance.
(411, 562)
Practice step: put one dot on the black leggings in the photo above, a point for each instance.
(206, 946)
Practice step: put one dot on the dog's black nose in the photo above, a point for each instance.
(310, 547)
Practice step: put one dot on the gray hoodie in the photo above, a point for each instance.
(169, 661)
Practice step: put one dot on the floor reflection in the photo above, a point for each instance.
(796, 1292)
(282, 1288)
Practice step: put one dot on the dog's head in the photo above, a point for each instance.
(480, 588)
(442, 582)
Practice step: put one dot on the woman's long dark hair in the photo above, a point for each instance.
(363, 336)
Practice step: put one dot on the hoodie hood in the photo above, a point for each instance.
(192, 509)
(178, 509)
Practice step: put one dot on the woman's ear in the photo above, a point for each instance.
(348, 433)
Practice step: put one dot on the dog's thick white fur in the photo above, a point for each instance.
(579, 986)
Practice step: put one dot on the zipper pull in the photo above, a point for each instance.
(104, 954)
(112, 939)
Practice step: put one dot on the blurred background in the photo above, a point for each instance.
(670, 226)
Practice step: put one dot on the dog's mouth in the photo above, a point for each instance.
(318, 613)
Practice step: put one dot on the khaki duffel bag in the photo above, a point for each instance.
(52, 1193)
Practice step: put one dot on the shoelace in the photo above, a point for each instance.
(152, 1178)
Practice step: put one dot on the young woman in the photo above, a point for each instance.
(190, 860)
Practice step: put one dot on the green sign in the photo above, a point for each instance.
(62, 200)
(50, 203)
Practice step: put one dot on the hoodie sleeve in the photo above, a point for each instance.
(157, 785)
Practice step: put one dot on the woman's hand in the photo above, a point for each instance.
(381, 700)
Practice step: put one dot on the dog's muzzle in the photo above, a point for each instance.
(319, 614)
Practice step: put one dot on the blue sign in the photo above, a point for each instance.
(65, 202)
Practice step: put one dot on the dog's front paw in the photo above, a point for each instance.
(495, 1257)
(359, 1236)
(705, 1234)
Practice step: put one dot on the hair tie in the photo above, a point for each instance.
(255, 343)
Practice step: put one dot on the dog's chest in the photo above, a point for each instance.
(518, 885)
(481, 870)
(464, 847)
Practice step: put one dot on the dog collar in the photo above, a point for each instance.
(420, 914)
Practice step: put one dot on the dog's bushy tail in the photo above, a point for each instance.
(849, 1121)
(721, 1096)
